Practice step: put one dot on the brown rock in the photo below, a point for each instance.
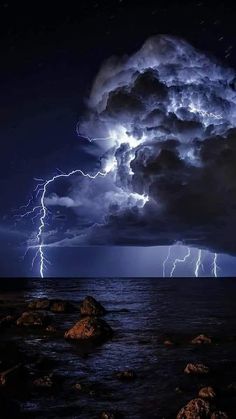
(59, 306)
(195, 409)
(6, 373)
(127, 375)
(44, 382)
(207, 393)
(168, 343)
(89, 328)
(32, 318)
(201, 339)
(196, 369)
(39, 304)
(110, 414)
(91, 307)
(78, 386)
(219, 415)
(51, 329)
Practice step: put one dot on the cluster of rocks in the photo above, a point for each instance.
(91, 327)
(198, 340)
(199, 408)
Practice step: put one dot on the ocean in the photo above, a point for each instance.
(143, 313)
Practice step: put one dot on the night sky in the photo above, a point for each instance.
(50, 55)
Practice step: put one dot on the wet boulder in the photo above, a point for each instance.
(195, 409)
(207, 393)
(127, 375)
(89, 328)
(31, 318)
(196, 369)
(39, 304)
(201, 339)
(91, 307)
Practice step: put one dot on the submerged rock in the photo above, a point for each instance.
(201, 339)
(195, 409)
(56, 306)
(31, 318)
(168, 342)
(39, 304)
(110, 414)
(89, 328)
(4, 375)
(207, 393)
(127, 375)
(196, 369)
(44, 382)
(59, 306)
(51, 329)
(219, 415)
(91, 307)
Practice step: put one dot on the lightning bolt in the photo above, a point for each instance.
(44, 211)
(165, 262)
(198, 263)
(215, 267)
(180, 261)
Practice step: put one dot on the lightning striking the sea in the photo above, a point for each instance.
(178, 260)
(215, 267)
(165, 262)
(41, 211)
(198, 263)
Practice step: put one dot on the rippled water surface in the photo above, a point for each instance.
(143, 313)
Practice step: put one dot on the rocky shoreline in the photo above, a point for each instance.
(24, 373)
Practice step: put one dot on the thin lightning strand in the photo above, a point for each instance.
(165, 262)
(215, 267)
(44, 211)
(180, 261)
(198, 263)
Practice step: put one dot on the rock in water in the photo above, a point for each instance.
(127, 375)
(207, 393)
(168, 342)
(219, 415)
(44, 382)
(196, 369)
(201, 339)
(195, 409)
(111, 414)
(90, 328)
(39, 304)
(56, 306)
(91, 307)
(32, 319)
(59, 306)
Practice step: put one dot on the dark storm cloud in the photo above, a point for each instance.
(167, 115)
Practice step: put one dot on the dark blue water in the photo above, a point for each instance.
(143, 313)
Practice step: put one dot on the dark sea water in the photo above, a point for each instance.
(143, 313)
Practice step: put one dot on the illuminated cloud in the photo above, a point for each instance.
(165, 120)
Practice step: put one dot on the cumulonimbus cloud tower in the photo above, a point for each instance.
(166, 119)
